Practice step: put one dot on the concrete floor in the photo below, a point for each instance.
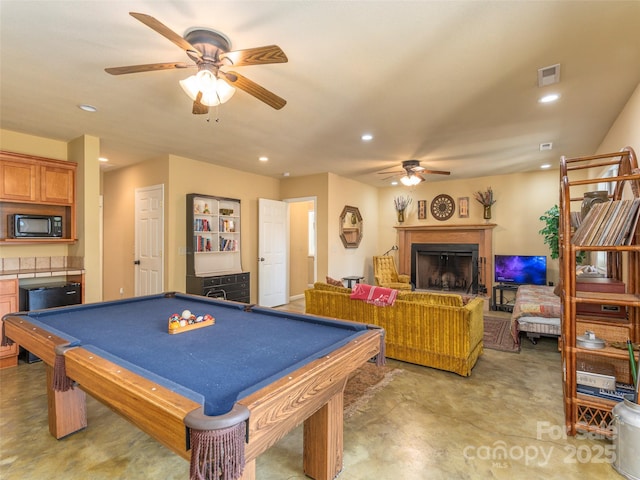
(503, 422)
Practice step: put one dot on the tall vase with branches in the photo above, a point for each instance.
(401, 203)
(486, 200)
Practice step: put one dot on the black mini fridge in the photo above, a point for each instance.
(37, 297)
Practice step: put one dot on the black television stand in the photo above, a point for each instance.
(505, 305)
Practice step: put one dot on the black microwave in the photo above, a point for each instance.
(35, 226)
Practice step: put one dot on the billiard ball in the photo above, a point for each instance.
(186, 314)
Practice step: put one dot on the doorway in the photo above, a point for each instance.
(302, 245)
(149, 240)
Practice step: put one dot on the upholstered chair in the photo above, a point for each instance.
(386, 274)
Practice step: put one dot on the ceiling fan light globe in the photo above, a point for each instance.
(206, 81)
(190, 86)
(410, 180)
(224, 90)
(214, 91)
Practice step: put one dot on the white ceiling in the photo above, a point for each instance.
(450, 83)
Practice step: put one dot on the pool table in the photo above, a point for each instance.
(256, 373)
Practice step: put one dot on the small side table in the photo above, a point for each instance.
(351, 279)
(503, 304)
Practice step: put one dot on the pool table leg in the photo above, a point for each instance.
(67, 410)
(249, 472)
(323, 440)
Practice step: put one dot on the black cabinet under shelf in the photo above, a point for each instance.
(234, 286)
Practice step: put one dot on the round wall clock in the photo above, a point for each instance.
(442, 207)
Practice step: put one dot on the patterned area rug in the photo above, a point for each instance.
(497, 334)
(363, 385)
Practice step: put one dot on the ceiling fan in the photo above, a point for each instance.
(413, 173)
(210, 50)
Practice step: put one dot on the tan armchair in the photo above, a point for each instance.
(386, 275)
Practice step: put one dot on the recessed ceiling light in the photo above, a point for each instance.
(366, 137)
(103, 159)
(263, 159)
(285, 174)
(545, 166)
(394, 182)
(87, 108)
(552, 97)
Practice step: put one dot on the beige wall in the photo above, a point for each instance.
(119, 188)
(191, 176)
(85, 151)
(333, 193)
(179, 176)
(520, 200)
(352, 261)
(313, 186)
(625, 131)
(299, 247)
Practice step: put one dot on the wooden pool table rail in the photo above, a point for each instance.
(312, 394)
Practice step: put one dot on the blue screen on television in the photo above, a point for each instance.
(524, 269)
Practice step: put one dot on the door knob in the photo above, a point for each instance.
(136, 262)
(261, 259)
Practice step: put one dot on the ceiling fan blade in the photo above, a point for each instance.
(198, 107)
(395, 172)
(166, 32)
(390, 176)
(151, 67)
(435, 172)
(252, 88)
(255, 56)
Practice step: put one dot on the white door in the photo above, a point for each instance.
(273, 246)
(149, 240)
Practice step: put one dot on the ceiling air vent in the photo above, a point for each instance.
(549, 75)
(546, 146)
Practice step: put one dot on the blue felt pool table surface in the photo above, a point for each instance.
(215, 365)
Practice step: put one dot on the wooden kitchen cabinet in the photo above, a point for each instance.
(37, 186)
(8, 304)
(19, 180)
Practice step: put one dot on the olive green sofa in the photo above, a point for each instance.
(430, 329)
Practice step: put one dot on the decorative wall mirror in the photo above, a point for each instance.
(350, 227)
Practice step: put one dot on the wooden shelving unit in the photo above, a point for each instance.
(589, 412)
(214, 266)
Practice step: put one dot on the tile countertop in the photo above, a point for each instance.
(38, 273)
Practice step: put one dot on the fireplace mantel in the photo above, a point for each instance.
(480, 234)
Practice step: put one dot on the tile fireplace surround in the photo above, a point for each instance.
(481, 235)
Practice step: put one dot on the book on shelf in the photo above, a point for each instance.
(616, 395)
(228, 245)
(631, 224)
(201, 225)
(609, 224)
(202, 244)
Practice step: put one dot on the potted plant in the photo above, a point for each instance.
(551, 233)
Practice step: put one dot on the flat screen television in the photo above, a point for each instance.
(520, 269)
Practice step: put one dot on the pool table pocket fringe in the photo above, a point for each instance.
(218, 454)
(61, 383)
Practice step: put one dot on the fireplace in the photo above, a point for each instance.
(447, 236)
(445, 267)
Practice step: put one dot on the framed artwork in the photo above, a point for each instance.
(422, 209)
(463, 207)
